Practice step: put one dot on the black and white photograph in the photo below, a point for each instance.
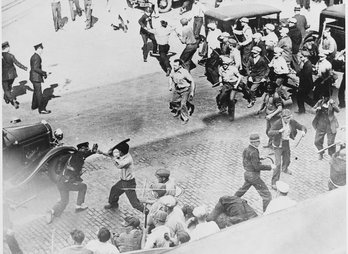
(173, 126)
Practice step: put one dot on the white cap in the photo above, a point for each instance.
(282, 187)
(270, 27)
(168, 201)
(212, 25)
(278, 50)
(200, 211)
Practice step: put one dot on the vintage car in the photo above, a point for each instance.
(258, 15)
(29, 149)
(163, 5)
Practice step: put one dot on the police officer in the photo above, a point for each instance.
(9, 73)
(252, 165)
(70, 180)
(123, 160)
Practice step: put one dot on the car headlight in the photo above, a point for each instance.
(58, 134)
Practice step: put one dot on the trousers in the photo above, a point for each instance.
(74, 9)
(179, 103)
(163, 58)
(124, 186)
(197, 26)
(282, 160)
(64, 189)
(187, 54)
(254, 179)
(7, 87)
(145, 37)
(319, 138)
(57, 16)
(38, 102)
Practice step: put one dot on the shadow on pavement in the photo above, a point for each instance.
(48, 92)
(21, 89)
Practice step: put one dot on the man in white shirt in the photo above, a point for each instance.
(271, 40)
(203, 228)
(198, 10)
(160, 234)
(282, 201)
(102, 246)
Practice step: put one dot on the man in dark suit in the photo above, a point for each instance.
(281, 132)
(306, 83)
(37, 76)
(145, 23)
(9, 74)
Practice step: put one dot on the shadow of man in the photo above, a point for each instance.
(21, 88)
(48, 93)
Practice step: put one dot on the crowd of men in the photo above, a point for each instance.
(261, 64)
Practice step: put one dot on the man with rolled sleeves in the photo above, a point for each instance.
(183, 86)
(187, 37)
(9, 73)
(252, 165)
(70, 180)
(123, 160)
(246, 44)
(37, 76)
(281, 132)
(145, 23)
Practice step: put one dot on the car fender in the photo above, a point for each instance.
(56, 151)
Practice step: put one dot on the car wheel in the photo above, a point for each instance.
(56, 165)
(164, 5)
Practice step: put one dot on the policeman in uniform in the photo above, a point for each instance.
(229, 80)
(246, 44)
(252, 165)
(9, 73)
(183, 86)
(70, 180)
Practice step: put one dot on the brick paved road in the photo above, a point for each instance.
(206, 162)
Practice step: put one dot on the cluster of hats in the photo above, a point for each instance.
(282, 187)
(5, 45)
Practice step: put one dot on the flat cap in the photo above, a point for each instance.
(212, 25)
(168, 201)
(284, 30)
(122, 146)
(244, 19)
(162, 172)
(232, 41)
(270, 27)
(5, 45)
(297, 8)
(200, 211)
(278, 50)
(160, 216)
(254, 137)
(282, 187)
(225, 34)
(256, 49)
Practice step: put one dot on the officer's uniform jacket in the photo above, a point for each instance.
(36, 72)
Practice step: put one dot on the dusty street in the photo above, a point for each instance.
(102, 92)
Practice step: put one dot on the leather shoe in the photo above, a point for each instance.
(109, 206)
(45, 112)
(80, 208)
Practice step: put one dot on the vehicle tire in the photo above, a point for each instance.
(55, 166)
(164, 5)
